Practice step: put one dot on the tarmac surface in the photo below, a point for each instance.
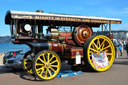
(116, 75)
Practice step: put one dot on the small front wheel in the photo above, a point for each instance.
(46, 65)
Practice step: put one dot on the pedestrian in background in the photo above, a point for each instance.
(121, 47)
(124, 45)
(127, 48)
(115, 43)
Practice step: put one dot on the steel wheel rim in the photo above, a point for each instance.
(103, 43)
(28, 63)
(47, 65)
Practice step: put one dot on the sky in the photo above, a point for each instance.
(102, 8)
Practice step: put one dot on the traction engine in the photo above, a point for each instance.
(78, 45)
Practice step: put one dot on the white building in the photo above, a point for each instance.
(120, 34)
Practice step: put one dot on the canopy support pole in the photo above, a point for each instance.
(16, 27)
(109, 28)
(102, 28)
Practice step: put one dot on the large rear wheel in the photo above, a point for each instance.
(97, 45)
(46, 65)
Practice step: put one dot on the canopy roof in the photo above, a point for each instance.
(59, 18)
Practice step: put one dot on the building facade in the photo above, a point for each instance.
(120, 34)
(117, 34)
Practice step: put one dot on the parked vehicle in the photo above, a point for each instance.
(10, 54)
(14, 59)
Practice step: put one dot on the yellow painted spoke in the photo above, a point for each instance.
(95, 45)
(25, 62)
(98, 42)
(44, 57)
(42, 71)
(41, 60)
(39, 64)
(30, 70)
(54, 65)
(46, 72)
(51, 58)
(39, 69)
(93, 49)
(48, 57)
(52, 69)
(102, 43)
(92, 52)
(109, 53)
(49, 71)
(106, 47)
(53, 62)
(102, 46)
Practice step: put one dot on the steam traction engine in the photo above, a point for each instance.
(57, 37)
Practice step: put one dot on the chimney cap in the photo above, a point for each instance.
(40, 11)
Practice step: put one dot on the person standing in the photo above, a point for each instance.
(115, 43)
(127, 48)
(124, 44)
(121, 47)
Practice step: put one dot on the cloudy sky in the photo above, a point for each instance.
(103, 8)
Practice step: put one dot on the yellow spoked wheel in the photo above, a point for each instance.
(27, 61)
(98, 45)
(46, 65)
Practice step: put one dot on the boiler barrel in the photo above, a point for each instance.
(46, 45)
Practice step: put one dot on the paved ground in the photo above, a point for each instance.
(117, 75)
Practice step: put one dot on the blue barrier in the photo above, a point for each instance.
(68, 73)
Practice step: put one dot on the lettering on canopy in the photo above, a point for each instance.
(56, 18)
